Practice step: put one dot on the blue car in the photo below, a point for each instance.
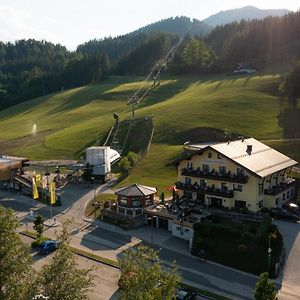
(48, 246)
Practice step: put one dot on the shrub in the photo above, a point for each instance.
(248, 236)
(242, 248)
(264, 227)
(196, 246)
(132, 158)
(253, 228)
(38, 242)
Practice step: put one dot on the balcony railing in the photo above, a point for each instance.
(239, 178)
(275, 190)
(205, 190)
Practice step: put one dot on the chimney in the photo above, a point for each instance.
(249, 149)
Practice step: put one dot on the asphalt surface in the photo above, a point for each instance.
(206, 275)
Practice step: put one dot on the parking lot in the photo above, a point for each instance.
(105, 277)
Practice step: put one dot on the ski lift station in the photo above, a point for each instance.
(101, 158)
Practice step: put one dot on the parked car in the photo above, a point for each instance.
(283, 214)
(184, 294)
(48, 246)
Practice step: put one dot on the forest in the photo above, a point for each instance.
(30, 68)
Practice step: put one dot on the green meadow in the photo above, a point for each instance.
(69, 121)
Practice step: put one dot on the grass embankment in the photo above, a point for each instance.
(180, 108)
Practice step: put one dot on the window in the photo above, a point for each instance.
(261, 203)
(283, 196)
(186, 230)
(240, 171)
(224, 186)
(219, 156)
(148, 200)
(292, 192)
(222, 170)
(276, 201)
(188, 180)
(205, 168)
(178, 228)
(136, 202)
(288, 194)
(209, 155)
(123, 201)
(189, 165)
(240, 203)
(238, 187)
(260, 188)
(202, 183)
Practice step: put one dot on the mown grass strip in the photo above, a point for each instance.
(203, 293)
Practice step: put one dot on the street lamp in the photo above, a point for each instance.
(152, 227)
(269, 253)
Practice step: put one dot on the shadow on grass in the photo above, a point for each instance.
(289, 121)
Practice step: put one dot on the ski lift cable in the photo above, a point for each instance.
(157, 66)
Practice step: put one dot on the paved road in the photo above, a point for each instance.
(110, 241)
(291, 273)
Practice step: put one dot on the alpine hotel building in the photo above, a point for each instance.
(243, 173)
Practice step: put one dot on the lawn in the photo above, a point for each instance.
(102, 198)
(180, 109)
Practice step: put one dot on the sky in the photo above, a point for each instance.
(72, 22)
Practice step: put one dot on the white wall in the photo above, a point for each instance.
(184, 233)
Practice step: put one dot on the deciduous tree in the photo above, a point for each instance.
(142, 276)
(265, 288)
(62, 279)
(17, 278)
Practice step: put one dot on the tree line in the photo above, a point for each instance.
(30, 68)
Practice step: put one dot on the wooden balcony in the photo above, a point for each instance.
(238, 178)
(205, 190)
(283, 186)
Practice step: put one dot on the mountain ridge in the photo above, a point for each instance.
(244, 13)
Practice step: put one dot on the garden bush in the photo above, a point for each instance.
(242, 248)
(264, 227)
(36, 243)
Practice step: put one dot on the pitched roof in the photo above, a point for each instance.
(136, 190)
(261, 160)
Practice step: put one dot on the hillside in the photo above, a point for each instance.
(244, 13)
(118, 47)
(181, 108)
(178, 25)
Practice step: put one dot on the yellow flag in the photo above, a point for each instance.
(52, 193)
(38, 179)
(35, 192)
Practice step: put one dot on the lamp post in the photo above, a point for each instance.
(47, 174)
(269, 253)
(152, 227)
